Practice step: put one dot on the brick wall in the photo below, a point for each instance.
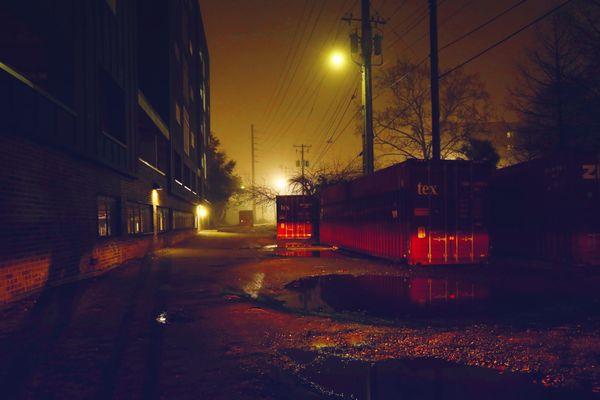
(48, 212)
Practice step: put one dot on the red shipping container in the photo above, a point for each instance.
(297, 218)
(421, 212)
(548, 209)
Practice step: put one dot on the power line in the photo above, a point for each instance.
(292, 50)
(332, 140)
(505, 39)
(325, 124)
(396, 10)
(483, 25)
(296, 65)
(308, 80)
(400, 36)
(301, 101)
(442, 23)
(421, 16)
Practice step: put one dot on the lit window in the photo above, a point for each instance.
(139, 218)
(107, 216)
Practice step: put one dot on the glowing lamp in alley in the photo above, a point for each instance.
(421, 232)
(281, 184)
(202, 211)
(337, 60)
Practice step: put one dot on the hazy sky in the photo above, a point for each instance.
(269, 68)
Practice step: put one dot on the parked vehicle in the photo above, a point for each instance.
(246, 218)
(548, 209)
(297, 218)
(420, 212)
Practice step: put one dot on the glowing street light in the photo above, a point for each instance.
(337, 59)
(281, 184)
(202, 211)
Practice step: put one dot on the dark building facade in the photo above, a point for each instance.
(104, 120)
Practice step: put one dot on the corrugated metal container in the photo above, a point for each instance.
(297, 217)
(548, 209)
(421, 212)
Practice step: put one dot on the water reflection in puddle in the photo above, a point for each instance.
(422, 378)
(388, 296)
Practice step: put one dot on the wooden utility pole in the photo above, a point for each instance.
(253, 151)
(367, 93)
(435, 90)
(303, 163)
(366, 52)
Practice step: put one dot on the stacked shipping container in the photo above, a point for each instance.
(548, 209)
(422, 212)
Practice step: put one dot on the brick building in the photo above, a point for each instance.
(104, 118)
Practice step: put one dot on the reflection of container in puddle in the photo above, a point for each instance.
(391, 296)
(429, 291)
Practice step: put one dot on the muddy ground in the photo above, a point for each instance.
(226, 316)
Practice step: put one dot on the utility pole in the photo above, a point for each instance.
(303, 163)
(253, 151)
(435, 90)
(368, 43)
(366, 49)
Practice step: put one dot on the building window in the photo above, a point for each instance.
(112, 107)
(177, 167)
(183, 220)
(108, 216)
(186, 177)
(185, 81)
(193, 184)
(139, 218)
(154, 147)
(37, 41)
(162, 219)
(186, 132)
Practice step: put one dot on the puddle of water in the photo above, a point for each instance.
(423, 378)
(401, 297)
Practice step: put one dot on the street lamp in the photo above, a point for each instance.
(337, 59)
(281, 184)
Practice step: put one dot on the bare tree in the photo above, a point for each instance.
(556, 95)
(315, 180)
(261, 194)
(403, 127)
